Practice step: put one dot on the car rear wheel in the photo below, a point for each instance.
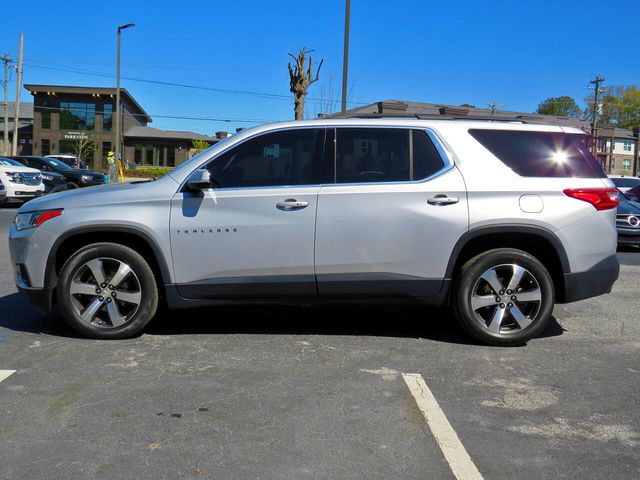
(107, 291)
(72, 186)
(503, 297)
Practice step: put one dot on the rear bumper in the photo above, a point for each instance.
(598, 280)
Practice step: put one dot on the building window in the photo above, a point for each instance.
(626, 164)
(45, 119)
(171, 156)
(612, 164)
(148, 155)
(46, 148)
(77, 116)
(107, 117)
(626, 146)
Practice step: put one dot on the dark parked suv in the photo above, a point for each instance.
(74, 177)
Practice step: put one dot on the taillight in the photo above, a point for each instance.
(600, 198)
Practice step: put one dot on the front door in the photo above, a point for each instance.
(253, 234)
(388, 222)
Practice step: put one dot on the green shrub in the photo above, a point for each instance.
(155, 171)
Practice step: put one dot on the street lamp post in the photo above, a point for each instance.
(118, 106)
(345, 54)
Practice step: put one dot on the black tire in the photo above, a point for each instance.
(139, 283)
(2, 202)
(504, 322)
(72, 186)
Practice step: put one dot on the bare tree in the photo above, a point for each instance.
(328, 101)
(301, 77)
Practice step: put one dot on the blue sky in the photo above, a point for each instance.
(511, 52)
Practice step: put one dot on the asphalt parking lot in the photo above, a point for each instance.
(319, 392)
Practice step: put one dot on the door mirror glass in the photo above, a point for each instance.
(200, 180)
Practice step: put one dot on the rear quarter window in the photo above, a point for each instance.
(541, 154)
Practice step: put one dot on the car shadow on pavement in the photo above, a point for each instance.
(404, 321)
(400, 321)
(17, 314)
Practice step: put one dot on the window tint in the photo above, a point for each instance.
(541, 154)
(426, 159)
(383, 155)
(279, 158)
(372, 155)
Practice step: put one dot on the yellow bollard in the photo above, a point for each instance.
(120, 171)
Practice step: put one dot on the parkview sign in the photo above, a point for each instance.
(76, 136)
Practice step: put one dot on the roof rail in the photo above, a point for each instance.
(427, 116)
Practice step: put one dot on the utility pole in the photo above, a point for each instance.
(345, 56)
(14, 147)
(5, 139)
(118, 109)
(494, 107)
(594, 120)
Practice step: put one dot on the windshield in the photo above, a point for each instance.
(57, 164)
(8, 162)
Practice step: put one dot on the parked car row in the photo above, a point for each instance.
(628, 213)
(23, 178)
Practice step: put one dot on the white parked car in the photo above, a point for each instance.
(20, 182)
(624, 182)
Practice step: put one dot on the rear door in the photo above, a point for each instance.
(389, 219)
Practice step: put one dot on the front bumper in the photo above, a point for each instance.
(629, 236)
(41, 298)
(598, 280)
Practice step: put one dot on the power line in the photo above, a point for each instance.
(184, 85)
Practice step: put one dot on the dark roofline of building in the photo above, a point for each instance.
(140, 131)
(37, 88)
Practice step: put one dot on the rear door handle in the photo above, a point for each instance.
(442, 200)
(291, 204)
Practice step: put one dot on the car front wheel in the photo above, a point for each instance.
(503, 297)
(107, 291)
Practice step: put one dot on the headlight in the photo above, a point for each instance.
(87, 178)
(47, 178)
(15, 177)
(23, 221)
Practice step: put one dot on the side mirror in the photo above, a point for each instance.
(200, 180)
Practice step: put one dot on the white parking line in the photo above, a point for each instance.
(459, 460)
(4, 374)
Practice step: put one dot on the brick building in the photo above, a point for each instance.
(63, 115)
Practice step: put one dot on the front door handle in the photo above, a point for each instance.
(291, 204)
(442, 200)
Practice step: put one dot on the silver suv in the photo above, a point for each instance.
(497, 220)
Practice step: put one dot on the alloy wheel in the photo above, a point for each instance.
(105, 292)
(506, 299)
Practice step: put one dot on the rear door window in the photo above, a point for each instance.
(364, 155)
(541, 154)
